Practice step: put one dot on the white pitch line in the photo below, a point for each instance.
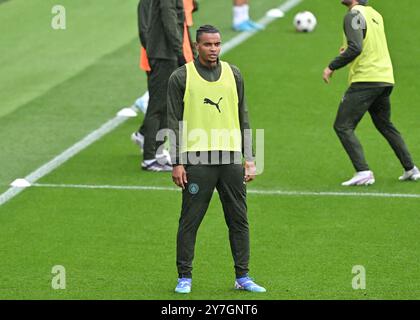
(336, 194)
(107, 187)
(115, 122)
(250, 191)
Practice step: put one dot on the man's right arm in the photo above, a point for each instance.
(175, 101)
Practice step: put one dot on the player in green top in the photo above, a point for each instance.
(371, 81)
(207, 95)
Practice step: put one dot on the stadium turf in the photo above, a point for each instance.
(120, 244)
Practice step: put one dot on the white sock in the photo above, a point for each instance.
(143, 102)
(145, 99)
(240, 14)
(145, 96)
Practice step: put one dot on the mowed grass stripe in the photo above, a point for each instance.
(35, 57)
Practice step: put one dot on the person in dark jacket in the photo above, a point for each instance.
(162, 38)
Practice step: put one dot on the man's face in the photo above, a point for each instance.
(209, 46)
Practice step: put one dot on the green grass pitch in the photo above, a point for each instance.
(58, 86)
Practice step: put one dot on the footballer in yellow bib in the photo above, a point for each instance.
(371, 79)
(208, 116)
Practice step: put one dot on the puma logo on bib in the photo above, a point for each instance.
(208, 101)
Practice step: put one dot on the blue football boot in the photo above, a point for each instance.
(247, 284)
(184, 285)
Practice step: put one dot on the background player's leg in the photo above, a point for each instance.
(241, 19)
(232, 193)
(196, 197)
(141, 129)
(380, 113)
(354, 105)
(155, 118)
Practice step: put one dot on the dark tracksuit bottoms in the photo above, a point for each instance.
(228, 179)
(156, 115)
(376, 100)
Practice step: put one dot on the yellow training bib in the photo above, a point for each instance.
(374, 63)
(211, 115)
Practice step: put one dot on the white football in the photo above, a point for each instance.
(305, 21)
